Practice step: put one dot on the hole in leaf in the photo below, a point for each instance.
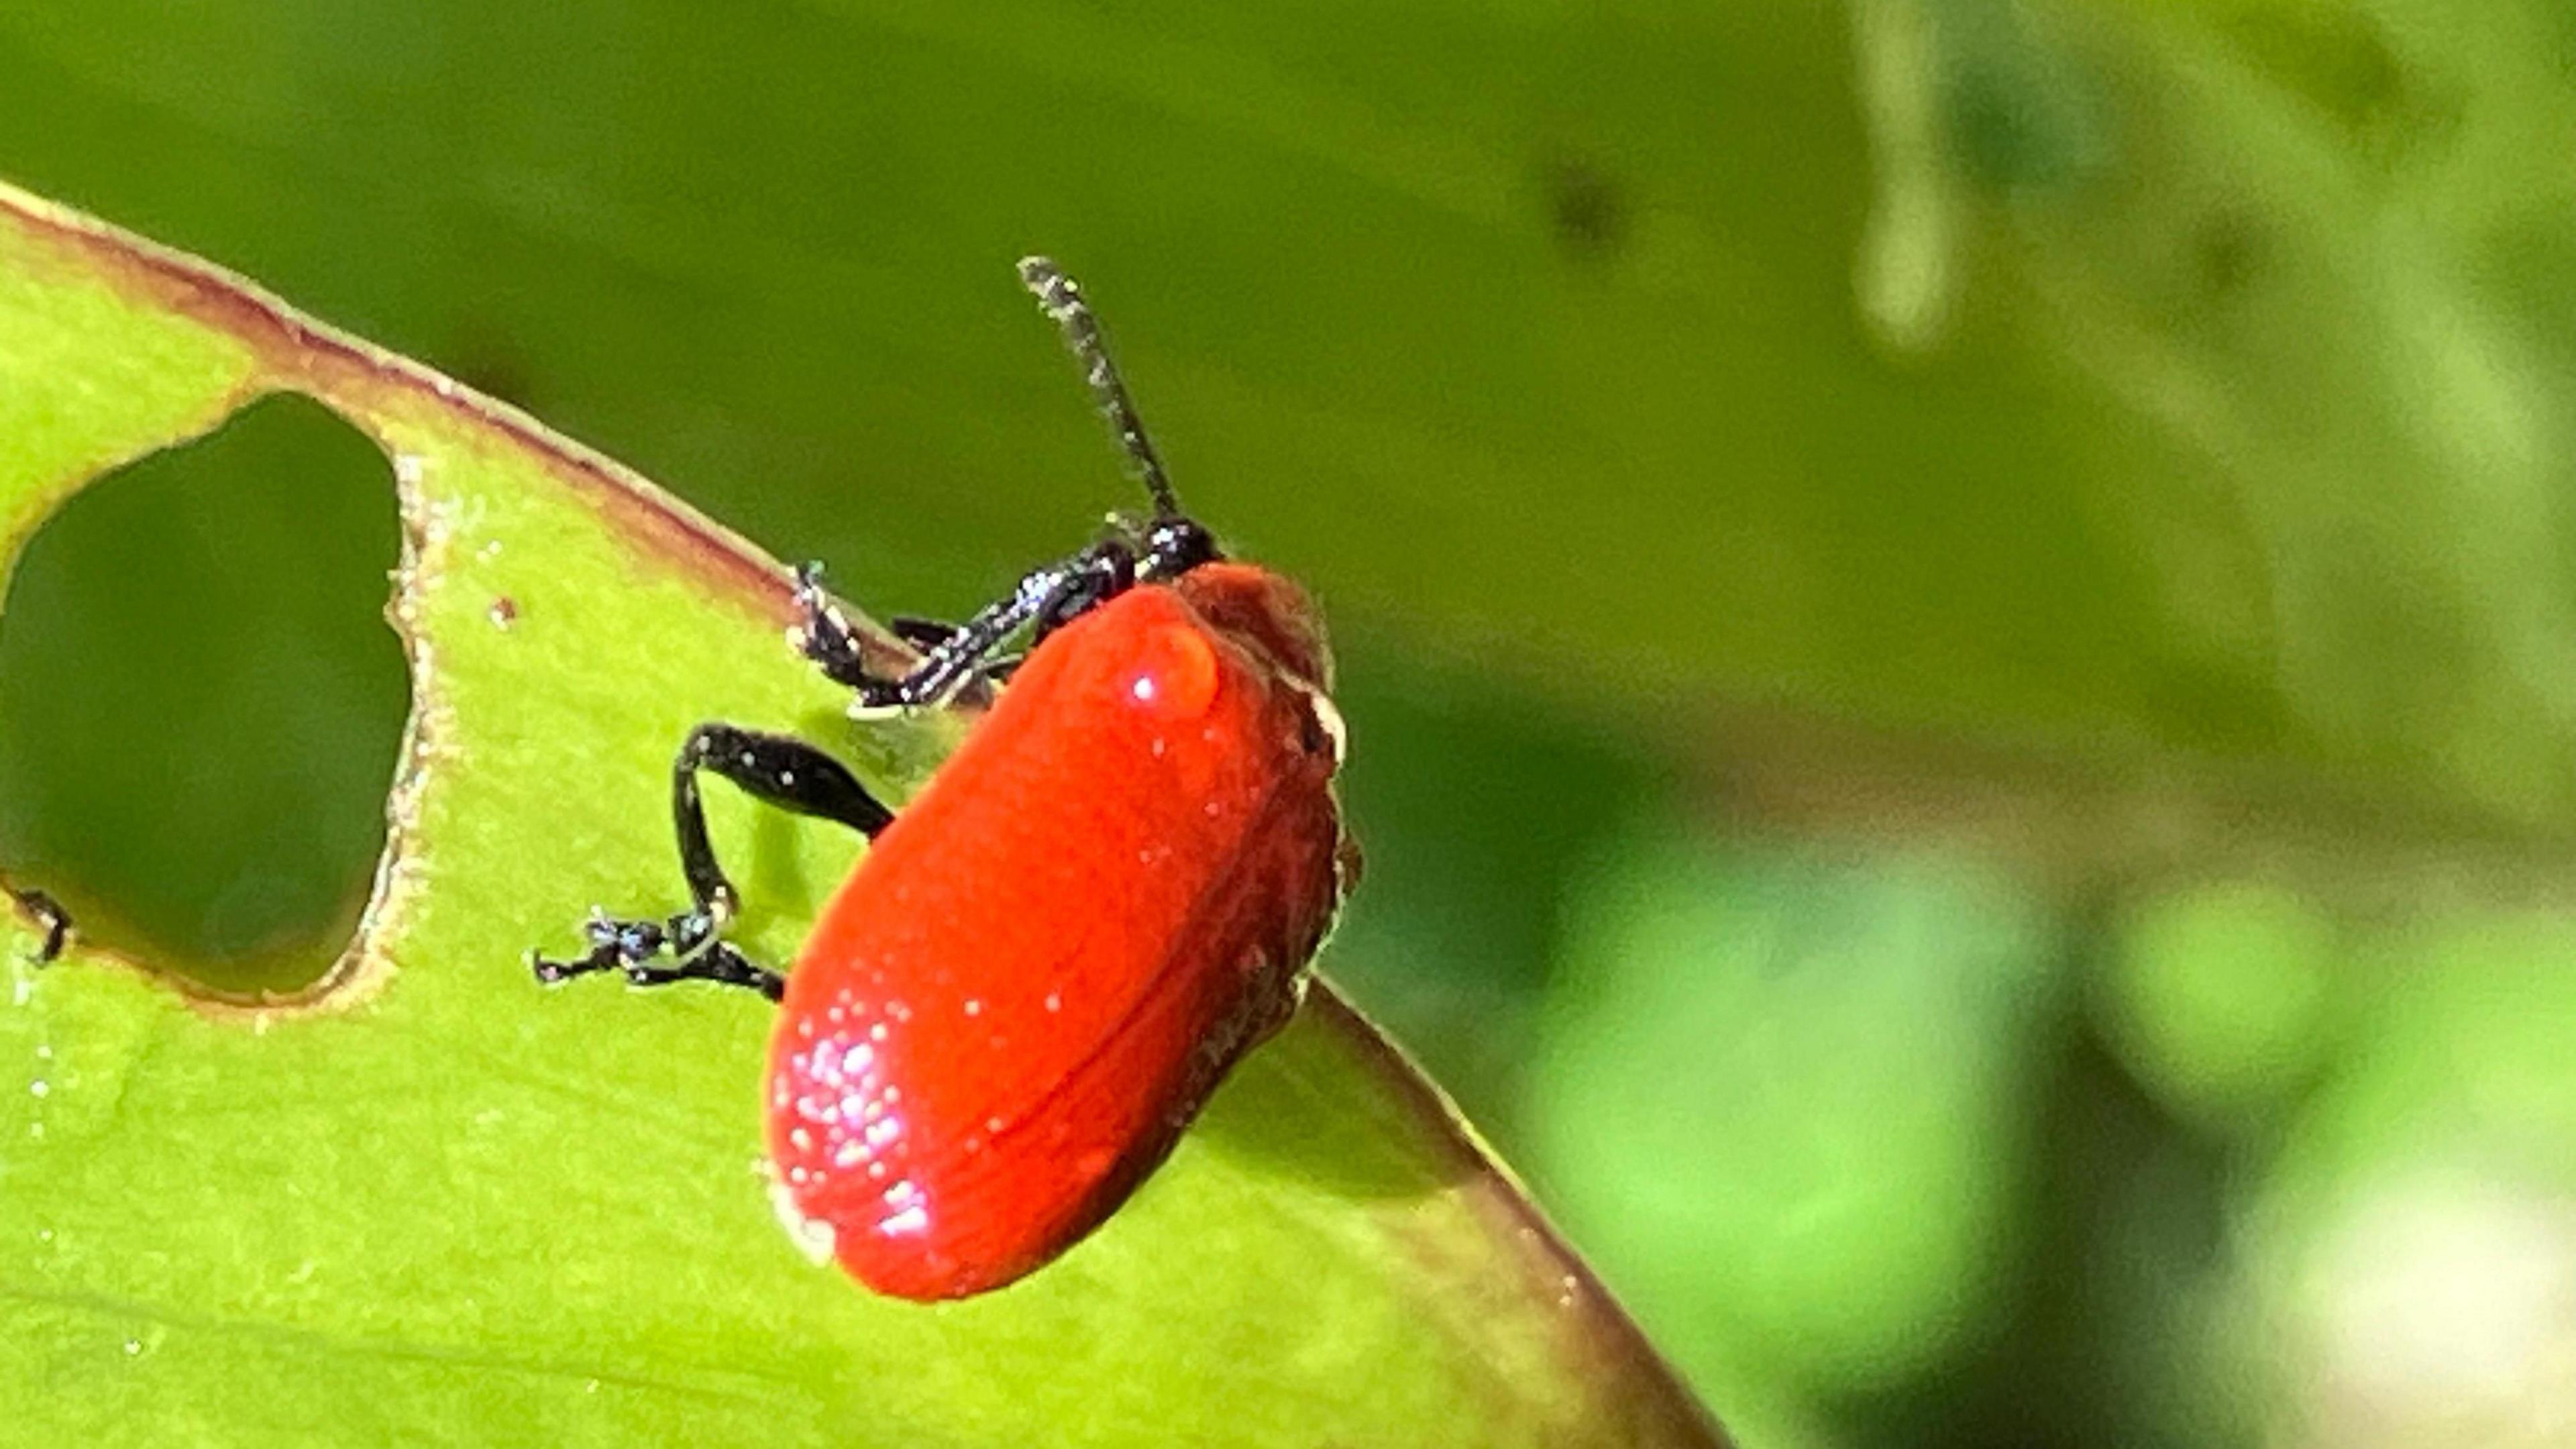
(201, 703)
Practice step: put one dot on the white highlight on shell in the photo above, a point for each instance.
(812, 1236)
(910, 1214)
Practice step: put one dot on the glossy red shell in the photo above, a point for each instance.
(1038, 973)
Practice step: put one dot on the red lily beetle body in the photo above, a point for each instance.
(1046, 962)
(1042, 968)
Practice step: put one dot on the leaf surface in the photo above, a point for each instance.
(428, 1201)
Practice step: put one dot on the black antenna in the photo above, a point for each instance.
(1060, 297)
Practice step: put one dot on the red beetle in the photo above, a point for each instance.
(1006, 1016)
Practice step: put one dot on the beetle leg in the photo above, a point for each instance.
(775, 769)
(929, 633)
(918, 632)
(1091, 578)
(1045, 600)
(946, 665)
(49, 913)
(954, 652)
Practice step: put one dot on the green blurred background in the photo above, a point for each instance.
(1959, 616)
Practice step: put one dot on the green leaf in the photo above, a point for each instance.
(1789, 1098)
(427, 1201)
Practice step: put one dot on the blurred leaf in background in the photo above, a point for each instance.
(2067, 505)
(1792, 1100)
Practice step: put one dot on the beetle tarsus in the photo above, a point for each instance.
(50, 915)
(824, 634)
(632, 947)
(719, 963)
